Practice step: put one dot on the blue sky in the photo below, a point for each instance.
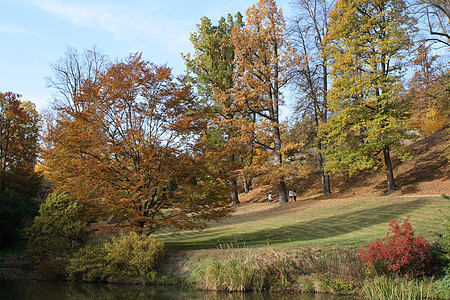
(35, 33)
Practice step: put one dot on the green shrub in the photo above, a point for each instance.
(127, 256)
(440, 288)
(57, 230)
(53, 268)
(132, 254)
(88, 264)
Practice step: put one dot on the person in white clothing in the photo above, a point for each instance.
(291, 195)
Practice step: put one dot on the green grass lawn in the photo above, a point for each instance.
(344, 222)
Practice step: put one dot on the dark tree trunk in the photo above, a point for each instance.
(233, 183)
(325, 177)
(326, 184)
(278, 161)
(234, 192)
(389, 170)
(282, 192)
(247, 184)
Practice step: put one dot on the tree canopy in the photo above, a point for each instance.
(366, 43)
(132, 154)
(264, 66)
(19, 146)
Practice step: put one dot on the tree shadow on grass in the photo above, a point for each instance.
(311, 230)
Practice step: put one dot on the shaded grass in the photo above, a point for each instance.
(350, 222)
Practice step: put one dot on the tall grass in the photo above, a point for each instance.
(385, 288)
(242, 270)
(274, 269)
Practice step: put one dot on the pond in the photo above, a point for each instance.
(28, 289)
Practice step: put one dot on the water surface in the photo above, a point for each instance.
(28, 289)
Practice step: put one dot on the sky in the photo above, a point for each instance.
(36, 33)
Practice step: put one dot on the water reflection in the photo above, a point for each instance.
(23, 289)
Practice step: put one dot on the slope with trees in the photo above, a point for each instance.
(264, 66)
(366, 42)
(308, 31)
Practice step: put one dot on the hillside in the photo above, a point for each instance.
(356, 212)
(426, 173)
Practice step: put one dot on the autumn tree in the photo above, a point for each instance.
(19, 147)
(131, 155)
(264, 63)
(366, 43)
(429, 92)
(308, 30)
(210, 67)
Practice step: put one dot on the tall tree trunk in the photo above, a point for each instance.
(282, 196)
(282, 192)
(278, 161)
(247, 184)
(325, 177)
(234, 192)
(233, 183)
(326, 184)
(389, 170)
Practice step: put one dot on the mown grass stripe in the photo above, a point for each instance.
(349, 222)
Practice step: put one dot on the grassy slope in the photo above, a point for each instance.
(354, 215)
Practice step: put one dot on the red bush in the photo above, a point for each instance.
(401, 253)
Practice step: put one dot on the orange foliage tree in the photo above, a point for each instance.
(19, 183)
(19, 145)
(264, 65)
(429, 92)
(132, 154)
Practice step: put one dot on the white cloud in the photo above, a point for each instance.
(14, 29)
(128, 22)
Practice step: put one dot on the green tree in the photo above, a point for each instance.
(264, 65)
(58, 228)
(210, 68)
(211, 65)
(366, 43)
